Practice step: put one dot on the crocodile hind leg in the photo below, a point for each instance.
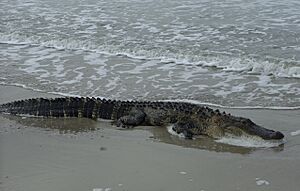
(135, 118)
(184, 128)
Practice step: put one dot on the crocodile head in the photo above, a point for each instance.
(220, 125)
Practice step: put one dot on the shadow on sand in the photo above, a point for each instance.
(159, 134)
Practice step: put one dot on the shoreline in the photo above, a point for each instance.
(261, 115)
(82, 154)
(59, 94)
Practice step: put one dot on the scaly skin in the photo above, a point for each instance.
(189, 119)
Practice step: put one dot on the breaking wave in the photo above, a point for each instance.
(219, 60)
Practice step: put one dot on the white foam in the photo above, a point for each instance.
(77, 78)
(295, 133)
(260, 182)
(250, 65)
(231, 107)
(183, 172)
(140, 68)
(222, 62)
(112, 84)
(38, 90)
(247, 141)
(64, 94)
(22, 86)
(172, 132)
(102, 189)
(16, 39)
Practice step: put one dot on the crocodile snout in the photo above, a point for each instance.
(271, 135)
(276, 135)
(262, 132)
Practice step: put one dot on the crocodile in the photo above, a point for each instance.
(186, 118)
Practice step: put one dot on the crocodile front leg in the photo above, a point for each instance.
(185, 128)
(135, 118)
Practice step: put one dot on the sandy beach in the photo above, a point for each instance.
(80, 154)
(242, 57)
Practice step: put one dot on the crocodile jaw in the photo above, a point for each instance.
(264, 133)
(253, 130)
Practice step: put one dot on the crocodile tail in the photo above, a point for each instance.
(63, 107)
(57, 107)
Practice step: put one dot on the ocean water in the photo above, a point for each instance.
(233, 53)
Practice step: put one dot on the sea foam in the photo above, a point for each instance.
(220, 61)
(247, 141)
(295, 133)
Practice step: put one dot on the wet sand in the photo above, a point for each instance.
(81, 154)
